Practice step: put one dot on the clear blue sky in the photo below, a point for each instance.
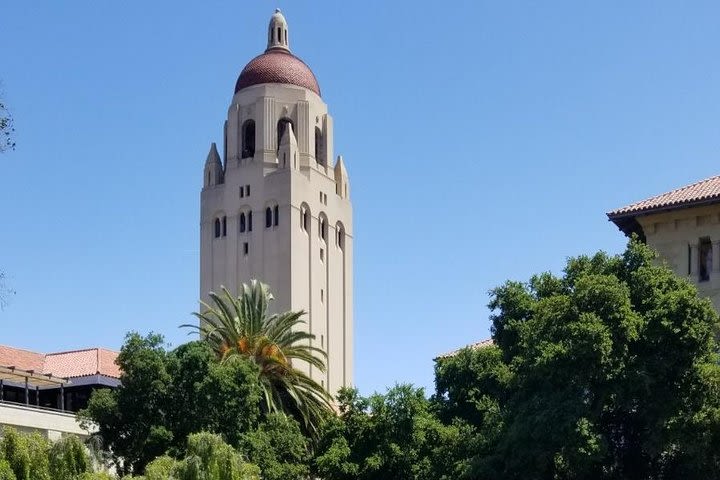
(484, 141)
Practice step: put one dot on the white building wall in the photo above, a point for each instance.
(50, 424)
(284, 256)
(676, 236)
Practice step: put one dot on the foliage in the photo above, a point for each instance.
(161, 468)
(6, 129)
(209, 458)
(15, 450)
(395, 435)
(242, 327)
(165, 396)
(39, 452)
(68, 459)
(6, 471)
(279, 448)
(613, 373)
(210, 396)
(132, 419)
(95, 476)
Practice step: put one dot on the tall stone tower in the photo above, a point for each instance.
(275, 208)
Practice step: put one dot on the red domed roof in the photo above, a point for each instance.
(277, 66)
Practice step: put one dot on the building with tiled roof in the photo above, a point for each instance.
(77, 374)
(683, 226)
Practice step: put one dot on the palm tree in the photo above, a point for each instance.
(242, 327)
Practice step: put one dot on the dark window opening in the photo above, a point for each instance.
(323, 229)
(268, 217)
(705, 259)
(246, 248)
(319, 147)
(281, 127)
(279, 35)
(242, 223)
(249, 222)
(247, 190)
(340, 238)
(276, 215)
(248, 139)
(217, 228)
(224, 226)
(242, 192)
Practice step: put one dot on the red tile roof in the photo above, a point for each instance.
(277, 66)
(72, 364)
(473, 346)
(704, 191)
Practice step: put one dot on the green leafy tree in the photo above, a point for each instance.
(279, 448)
(39, 452)
(613, 374)
(15, 450)
(68, 459)
(242, 326)
(165, 396)
(209, 458)
(391, 436)
(162, 468)
(132, 420)
(206, 395)
(95, 476)
(6, 471)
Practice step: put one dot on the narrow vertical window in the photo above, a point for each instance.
(689, 258)
(268, 217)
(246, 248)
(247, 190)
(224, 226)
(242, 192)
(242, 223)
(249, 221)
(279, 35)
(281, 127)
(248, 139)
(322, 228)
(217, 227)
(705, 259)
(276, 215)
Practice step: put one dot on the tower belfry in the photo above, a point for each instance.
(276, 208)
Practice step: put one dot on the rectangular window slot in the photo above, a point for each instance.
(705, 259)
(322, 341)
(322, 295)
(242, 192)
(322, 254)
(247, 190)
(246, 248)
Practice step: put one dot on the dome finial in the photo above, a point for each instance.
(278, 32)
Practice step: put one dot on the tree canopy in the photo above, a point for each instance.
(608, 371)
(278, 344)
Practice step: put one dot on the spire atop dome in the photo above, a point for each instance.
(278, 32)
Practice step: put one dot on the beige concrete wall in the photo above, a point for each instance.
(285, 256)
(676, 236)
(50, 424)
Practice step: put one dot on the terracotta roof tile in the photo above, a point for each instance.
(277, 66)
(22, 359)
(704, 191)
(76, 363)
(474, 346)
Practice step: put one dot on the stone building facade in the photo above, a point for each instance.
(683, 225)
(274, 206)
